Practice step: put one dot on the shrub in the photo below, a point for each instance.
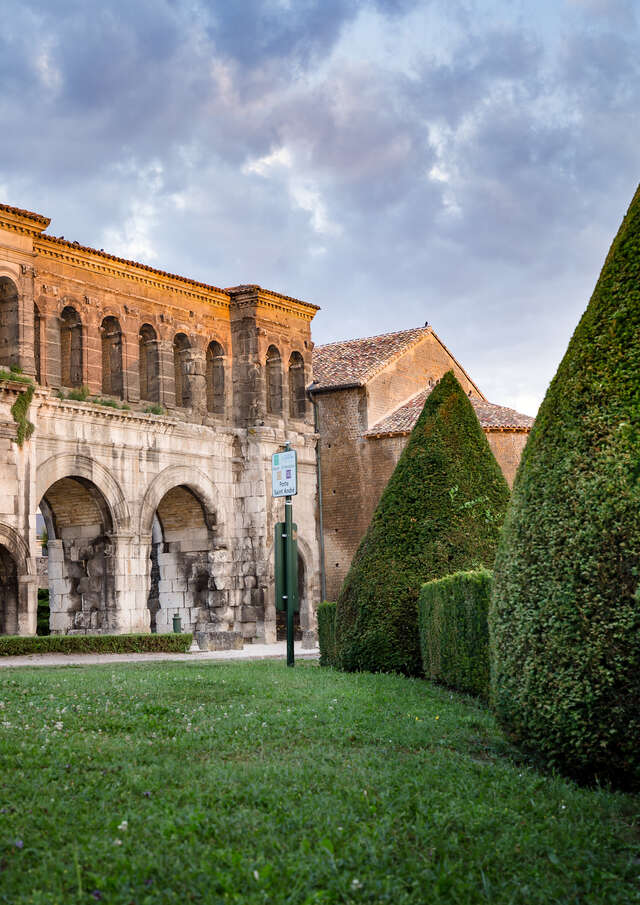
(80, 394)
(440, 512)
(454, 634)
(15, 645)
(154, 410)
(565, 614)
(327, 633)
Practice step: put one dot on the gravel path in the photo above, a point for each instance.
(249, 652)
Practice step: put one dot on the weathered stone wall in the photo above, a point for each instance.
(420, 366)
(507, 446)
(148, 515)
(355, 469)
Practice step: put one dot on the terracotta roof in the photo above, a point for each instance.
(18, 211)
(490, 416)
(355, 361)
(76, 246)
(103, 254)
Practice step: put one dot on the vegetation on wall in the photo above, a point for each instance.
(565, 617)
(440, 513)
(20, 408)
(454, 634)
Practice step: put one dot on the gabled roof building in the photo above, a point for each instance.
(368, 394)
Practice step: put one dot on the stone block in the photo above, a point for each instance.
(248, 629)
(219, 640)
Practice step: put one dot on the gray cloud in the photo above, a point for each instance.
(474, 178)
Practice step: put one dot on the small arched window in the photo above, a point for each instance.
(112, 376)
(274, 381)
(181, 350)
(70, 348)
(8, 323)
(215, 378)
(149, 364)
(297, 399)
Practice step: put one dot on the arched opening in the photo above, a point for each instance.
(70, 347)
(274, 381)
(181, 350)
(297, 398)
(215, 378)
(43, 525)
(149, 364)
(182, 580)
(112, 376)
(281, 616)
(37, 327)
(80, 558)
(8, 323)
(8, 593)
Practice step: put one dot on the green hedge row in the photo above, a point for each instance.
(327, 633)
(454, 634)
(15, 645)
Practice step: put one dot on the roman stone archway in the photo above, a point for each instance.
(18, 584)
(80, 523)
(8, 593)
(66, 464)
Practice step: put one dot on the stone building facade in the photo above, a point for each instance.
(158, 404)
(368, 394)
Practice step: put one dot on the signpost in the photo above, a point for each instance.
(284, 483)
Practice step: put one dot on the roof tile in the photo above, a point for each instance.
(355, 361)
(490, 416)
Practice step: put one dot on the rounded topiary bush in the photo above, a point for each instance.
(440, 513)
(565, 616)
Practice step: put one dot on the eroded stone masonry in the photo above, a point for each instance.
(159, 402)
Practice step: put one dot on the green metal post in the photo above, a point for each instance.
(291, 591)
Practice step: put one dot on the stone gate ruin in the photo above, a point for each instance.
(158, 404)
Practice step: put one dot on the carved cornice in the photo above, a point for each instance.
(21, 221)
(94, 261)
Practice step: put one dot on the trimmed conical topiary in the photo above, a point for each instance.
(440, 512)
(565, 618)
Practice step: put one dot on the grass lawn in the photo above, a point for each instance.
(254, 783)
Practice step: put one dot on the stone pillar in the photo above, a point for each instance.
(131, 572)
(27, 604)
(26, 298)
(51, 361)
(247, 377)
(195, 366)
(165, 376)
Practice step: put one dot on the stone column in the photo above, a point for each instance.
(27, 604)
(25, 320)
(165, 377)
(131, 572)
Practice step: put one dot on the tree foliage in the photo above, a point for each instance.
(565, 618)
(440, 513)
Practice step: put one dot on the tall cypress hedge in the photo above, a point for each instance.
(565, 617)
(440, 512)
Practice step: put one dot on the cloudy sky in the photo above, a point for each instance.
(462, 162)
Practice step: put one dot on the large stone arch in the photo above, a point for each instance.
(18, 601)
(17, 547)
(67, 465)
(175, 476)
